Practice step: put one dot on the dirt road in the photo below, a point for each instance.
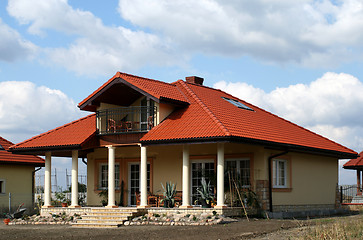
(237, 230)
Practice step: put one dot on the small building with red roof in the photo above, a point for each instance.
(16, 177)
(356, 164)
(144, 132)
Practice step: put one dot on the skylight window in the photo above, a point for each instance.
(237, 103)
(1, 147)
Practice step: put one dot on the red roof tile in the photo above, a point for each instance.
(159, 90)
(209, 115)
(75, 133)
(11, 158)
(355, 163)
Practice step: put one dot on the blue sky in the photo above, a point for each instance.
(301, 60)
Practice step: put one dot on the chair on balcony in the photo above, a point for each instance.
(111, 125)
(150, 122)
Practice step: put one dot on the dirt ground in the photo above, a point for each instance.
(237, 230)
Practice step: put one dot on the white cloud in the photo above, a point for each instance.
(12, 46)
(311, 33)
(27, 110)
(331, 105)
(98, 49)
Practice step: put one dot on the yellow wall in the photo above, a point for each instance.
(313, 181)
(19, 183)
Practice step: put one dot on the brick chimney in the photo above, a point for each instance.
(195, 80)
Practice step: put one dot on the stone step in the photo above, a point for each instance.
(112, 213)
(106, 217)
(100, 209)
(101, 221)
(96, 225)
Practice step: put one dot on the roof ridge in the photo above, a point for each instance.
(205, 108)
(149, 79)
(53, 130)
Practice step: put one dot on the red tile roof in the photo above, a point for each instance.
(157, 89)
(356, 163)
(207, 116)
(210, 116)
(73, 134)
(11, 158)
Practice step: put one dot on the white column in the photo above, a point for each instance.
(111, 177)
(74, 202)
(47, 180)
(143, 178)
(220, 175)
(186, 180)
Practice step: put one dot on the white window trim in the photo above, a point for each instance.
(276, 172)
(100, 176)
(3, 182)
(238, 166)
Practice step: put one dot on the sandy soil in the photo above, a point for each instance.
(237, 230)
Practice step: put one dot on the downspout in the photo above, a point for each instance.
(33, 183)
(270, 176)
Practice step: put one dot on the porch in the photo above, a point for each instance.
(100, 217)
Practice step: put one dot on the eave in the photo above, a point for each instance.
(264, 143)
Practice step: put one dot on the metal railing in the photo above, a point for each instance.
(350, 194)
(125, 120)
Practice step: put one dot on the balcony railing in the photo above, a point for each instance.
(125, 120)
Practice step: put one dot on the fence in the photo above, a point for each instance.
(57, 198)
(350, 194)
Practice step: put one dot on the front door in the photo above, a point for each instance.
(134, 181)
(201, 169)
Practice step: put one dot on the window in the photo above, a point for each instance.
(238, 170)
(103, 176)
(2, 186)
(279, 173)
(1, 147)
(237, 103)
(201, 169)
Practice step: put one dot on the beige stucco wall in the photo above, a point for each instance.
(313, 181)
(19, 184)
(166, 163)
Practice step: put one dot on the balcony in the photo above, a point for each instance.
(124, 120)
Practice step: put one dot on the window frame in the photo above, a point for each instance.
(276, 173)
(238, 167)
(117, 176)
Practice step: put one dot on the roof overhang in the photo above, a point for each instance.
(266, 144)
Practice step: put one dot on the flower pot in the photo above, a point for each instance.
(6, 221)
(205, 204)
(64, 205)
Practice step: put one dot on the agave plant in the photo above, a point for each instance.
(169, 194)
(206, 192)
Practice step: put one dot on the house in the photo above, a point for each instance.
(143, 132)
(16, 178)
(353, 193)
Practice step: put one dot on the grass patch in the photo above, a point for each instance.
(344, 228)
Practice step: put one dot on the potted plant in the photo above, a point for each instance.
(169, 195)
(206, 194)
(104, 197)
(61, 197)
